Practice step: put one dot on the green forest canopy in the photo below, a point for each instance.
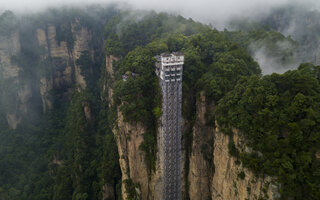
(279, 116)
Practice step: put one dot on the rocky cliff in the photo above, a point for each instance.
(212, 172)
(9, 72)
(56, 61)
(132, 161)
(65, 69)
(231, 180)
(137, 180)
(201, 168)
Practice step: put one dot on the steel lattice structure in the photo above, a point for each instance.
(169, 69)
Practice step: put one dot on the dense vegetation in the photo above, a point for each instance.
(125, 32)
(279, 115)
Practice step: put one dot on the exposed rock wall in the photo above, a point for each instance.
(131, 158)
(109, 78)
(201, 166)
(9, 75)
(63, 57)
(226, 182)
(107, 93)
(214, 173)
(9, 46)
(58, 66)
(45, 88)
(132, 161)
(82, 39)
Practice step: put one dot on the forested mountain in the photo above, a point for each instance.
(71, 128)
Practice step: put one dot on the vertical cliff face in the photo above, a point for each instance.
(201, 163)
(64, 66)
(10, 46)
(9, 73)
(214, 173)
(231, 180)
(132, 161)
(109, 78)
(137, 180)
(56, 63)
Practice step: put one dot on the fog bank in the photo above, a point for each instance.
(215, 12)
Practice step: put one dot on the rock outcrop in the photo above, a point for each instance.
(109, 77)
(10, 46)
(65, 70)
(135, 173)
(201, 164)
(132, 161)
(58, 66)
(214, 173)
(15, 96)
(231, 180)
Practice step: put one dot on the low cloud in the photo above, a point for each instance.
(215, 12)
(269, 64)
(273, 63)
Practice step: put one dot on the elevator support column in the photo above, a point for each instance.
(169, 69)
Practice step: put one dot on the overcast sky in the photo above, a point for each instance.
(214, 11)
